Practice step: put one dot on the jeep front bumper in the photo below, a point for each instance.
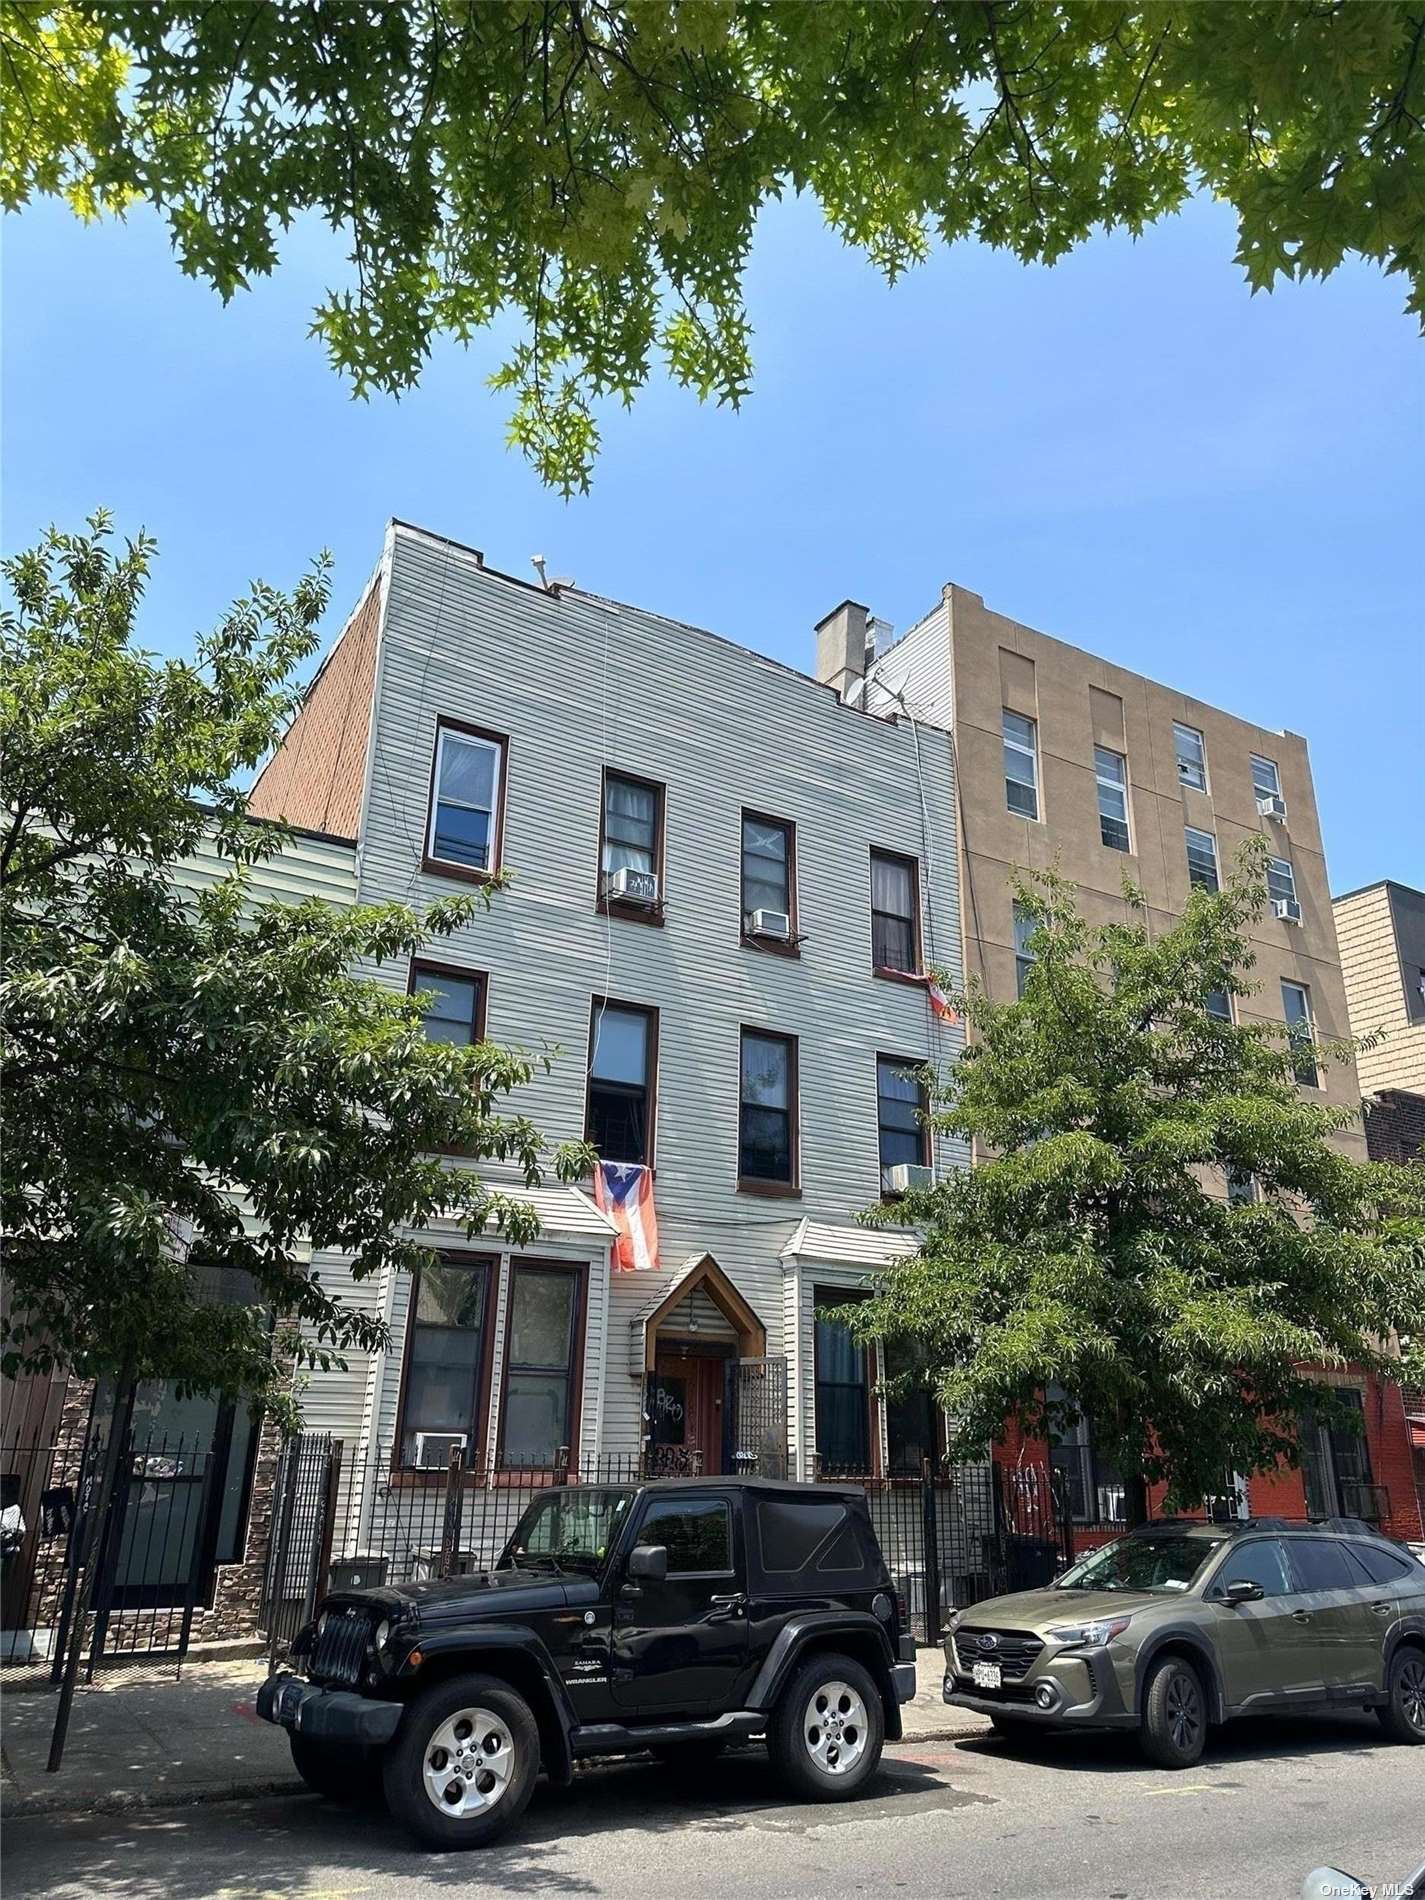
(327, 1715)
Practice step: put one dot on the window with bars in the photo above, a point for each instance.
(1300, 1032)
(1025, 925)
(463, 829)
(1201, 859)
(900, 1109)
(767, 1095)
(895, 913)
(618, 1118)
(768, 850)
(1111, 775)
(1191, 755)
(1021, 763)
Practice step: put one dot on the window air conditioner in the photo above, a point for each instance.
(905, 1177)
(433, 1449)
(633, 887)
(1271, 805)
(1286, 909)
(770, 923)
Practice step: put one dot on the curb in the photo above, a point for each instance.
(64, 1801)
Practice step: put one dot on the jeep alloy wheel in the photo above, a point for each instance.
(826, 1731)
(834, 1728)
(468, 1762)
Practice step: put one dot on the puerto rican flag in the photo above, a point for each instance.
(940, 1003)
(624, 1191)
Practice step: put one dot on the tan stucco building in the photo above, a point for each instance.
(1066, 760)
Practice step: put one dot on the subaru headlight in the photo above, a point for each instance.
(1090, 1635)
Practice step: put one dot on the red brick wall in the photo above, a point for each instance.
(1395, 1126)
(315, 776)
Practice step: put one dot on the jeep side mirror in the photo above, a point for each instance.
(1243, 1590)
(648, 1562)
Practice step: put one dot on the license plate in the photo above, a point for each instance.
(986, 1675)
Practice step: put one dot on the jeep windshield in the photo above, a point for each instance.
(567, 1529)
(1143, 1563)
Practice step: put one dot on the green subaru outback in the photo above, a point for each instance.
(1181, 1624)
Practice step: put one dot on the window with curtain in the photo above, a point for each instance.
(766, 866)
(453, 1004)
(633, 818)
(1111, 775)
(900, 1104)
(1021, 763)
(618, 1116)
(465, 801)
(1201, 858)
(1025, 925)
(843, 1390)
(895, 913)
(445, 1358)
(767, 1098)
(1300, 1032)
(536, 1404)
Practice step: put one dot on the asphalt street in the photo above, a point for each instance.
(1071, 1820)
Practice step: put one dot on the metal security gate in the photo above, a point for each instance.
(299, 1550)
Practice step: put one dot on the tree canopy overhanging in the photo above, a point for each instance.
(197, 1090)
(1092, 1265)
(592, 170)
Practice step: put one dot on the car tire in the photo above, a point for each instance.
(1402, 1716)
(1173, 1726)
(463, 1763)
(827, 1730)
(347, 1773)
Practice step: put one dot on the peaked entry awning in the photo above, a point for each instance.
(698, 1272)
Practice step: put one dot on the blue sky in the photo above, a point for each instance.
(1125, 451)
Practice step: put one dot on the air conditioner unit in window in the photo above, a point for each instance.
(770, 923)
(433, 1449)
(1271, 804)
(1286, 910)
(633, 887)
(906, 1177)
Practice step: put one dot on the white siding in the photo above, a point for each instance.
(578, 683)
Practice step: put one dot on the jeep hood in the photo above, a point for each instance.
(498, 1594)
(1041, 1610)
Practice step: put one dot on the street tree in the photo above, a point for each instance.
(196, 1083)
(590, 171)
(1093, 1266)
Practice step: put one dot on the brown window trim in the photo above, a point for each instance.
(913, 1064)
(516, 1474)
(915, 978)
(463, 973)
(441, 867)
(480, 1428)
(651, 1085)
(753, 1184)
(917, 975)
(768, 946)
(616, 906)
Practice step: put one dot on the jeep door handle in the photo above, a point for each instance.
(724, 1607)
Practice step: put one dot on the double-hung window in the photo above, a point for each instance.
(446, 1352)
(1219, 1005)
(536, 1408)
(455, 1002)
(467, 790)
(902, 1133)
(768, 854)
(1191, 755)
(843, 1389)
(1025, 925)
(1021, 763)
(1201, 859)
(623, 1052)
(1111, 773)
(895, 913)
(767, 1111)
(1300, 1032)
(1241, 1186)
(1281, 880)
(632, 834)
(1266, 779)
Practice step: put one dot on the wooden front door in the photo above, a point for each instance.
(686, 1405)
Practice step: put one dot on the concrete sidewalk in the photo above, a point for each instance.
(141, 1739)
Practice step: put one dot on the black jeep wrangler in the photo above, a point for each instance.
(672, 1616)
